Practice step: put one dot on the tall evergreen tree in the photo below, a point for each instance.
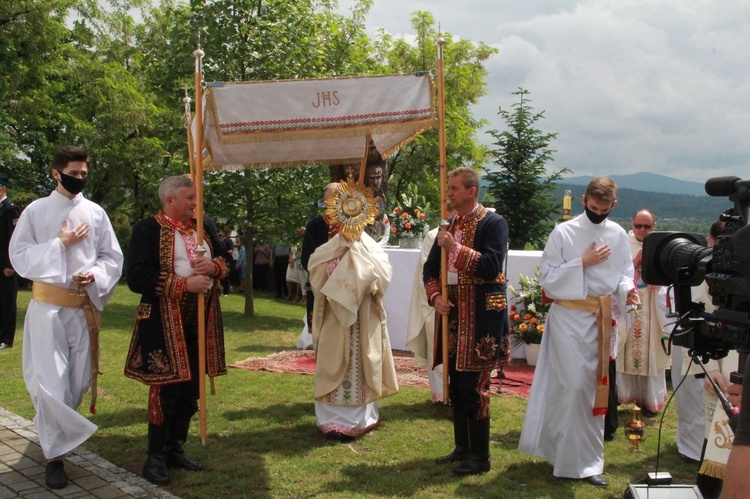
(521, 186)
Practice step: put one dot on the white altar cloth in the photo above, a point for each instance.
(398, 296)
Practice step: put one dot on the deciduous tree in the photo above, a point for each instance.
(248, 40)
(464, 84)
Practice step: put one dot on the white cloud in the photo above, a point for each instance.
(629, 85)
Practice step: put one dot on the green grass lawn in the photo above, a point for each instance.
(263, 442)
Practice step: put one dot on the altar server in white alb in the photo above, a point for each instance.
(586, 260)
(354, 365)
(65, 244)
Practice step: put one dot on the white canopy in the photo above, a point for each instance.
(298, 122)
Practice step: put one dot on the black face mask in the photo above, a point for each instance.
(595, 218)
(72, 184)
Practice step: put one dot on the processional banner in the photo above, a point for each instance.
(298, 122)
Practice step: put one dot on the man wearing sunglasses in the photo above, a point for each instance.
(641, 361)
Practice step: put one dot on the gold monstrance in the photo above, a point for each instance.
(352, 207)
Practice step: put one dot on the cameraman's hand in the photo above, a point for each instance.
(736, 477)
(734, 394)
(594, 255)
(719, 379)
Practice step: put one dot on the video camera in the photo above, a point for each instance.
(682, 260)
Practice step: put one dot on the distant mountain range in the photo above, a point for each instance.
(668, 198)
(674, 207)
(649, 182)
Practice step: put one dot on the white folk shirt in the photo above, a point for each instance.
(183, 258)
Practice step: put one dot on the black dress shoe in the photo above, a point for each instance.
(458, 454)
(609, 438)
(596, 481)
(180, 460)
(472, 465)
(3, 346)
(55, 476)
(648, 413)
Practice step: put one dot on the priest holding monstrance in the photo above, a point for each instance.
(349, 276)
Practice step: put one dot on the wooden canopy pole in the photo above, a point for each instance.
(201, 249)
(363, 165)
(188, 121)
(443, 214)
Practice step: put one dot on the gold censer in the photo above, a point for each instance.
(635, 430)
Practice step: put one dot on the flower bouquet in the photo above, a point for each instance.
(408, 219)
(529, 313)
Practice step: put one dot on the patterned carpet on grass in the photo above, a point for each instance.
(516, 379)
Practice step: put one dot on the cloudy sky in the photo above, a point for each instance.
(630, 85)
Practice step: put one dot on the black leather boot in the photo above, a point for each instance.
(176, 457)
(55, 476)
(478, 460)
(155, 466)
(460, 437)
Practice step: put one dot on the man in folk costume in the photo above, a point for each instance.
(585, 261)
(476, 243)
(65, 244)
(641, 361)
(164, 266)
(349, 275)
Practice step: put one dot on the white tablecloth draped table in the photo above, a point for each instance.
(398, 296)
